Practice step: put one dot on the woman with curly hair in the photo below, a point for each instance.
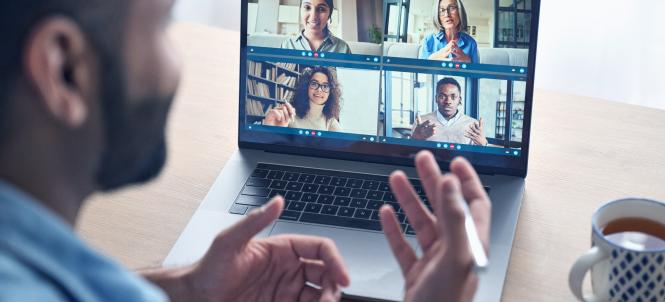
(315, 105)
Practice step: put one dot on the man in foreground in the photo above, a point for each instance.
(85, 91)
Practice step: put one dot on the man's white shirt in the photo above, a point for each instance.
(449, 131)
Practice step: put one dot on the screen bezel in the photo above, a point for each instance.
(388, 153)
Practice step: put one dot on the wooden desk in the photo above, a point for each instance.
(583, 152)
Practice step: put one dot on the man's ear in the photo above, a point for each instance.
(59, 67)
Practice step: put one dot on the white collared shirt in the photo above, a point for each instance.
(450, 122)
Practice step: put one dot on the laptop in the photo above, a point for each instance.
(324, 128)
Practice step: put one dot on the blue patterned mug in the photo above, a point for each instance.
(626, 268)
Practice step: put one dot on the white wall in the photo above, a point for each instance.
(607, 49)
(222, 13)
(360, 92)
(348, 19)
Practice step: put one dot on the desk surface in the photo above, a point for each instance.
(583, 152)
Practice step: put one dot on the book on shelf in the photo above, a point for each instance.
(289, 66)
(285, 94)
(286, 80)
(258, 89)
(255, 68)
(256, 108)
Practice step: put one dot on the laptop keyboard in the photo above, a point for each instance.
(326, 197)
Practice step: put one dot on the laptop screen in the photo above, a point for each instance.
(380, 80)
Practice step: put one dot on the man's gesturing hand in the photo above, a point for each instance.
(423, 130)
(238, 268)
(444, 272)
(476, 133)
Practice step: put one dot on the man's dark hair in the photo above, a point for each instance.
(448, 81)
(100, 20)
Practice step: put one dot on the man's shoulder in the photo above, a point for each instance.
(429, 116)
(20, 283)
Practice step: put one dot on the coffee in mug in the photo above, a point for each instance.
(636, 233)
(627, 255)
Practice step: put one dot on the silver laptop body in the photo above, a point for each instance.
(375, 275)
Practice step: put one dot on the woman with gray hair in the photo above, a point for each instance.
(450, 42)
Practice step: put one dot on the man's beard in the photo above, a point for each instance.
(135, 145)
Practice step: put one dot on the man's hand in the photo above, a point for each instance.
(280, 116)
(445, 270)
(423, 131)
(237, 268)
(476, 133)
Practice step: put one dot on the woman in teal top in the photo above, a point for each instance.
(451, 42)
(315, 35)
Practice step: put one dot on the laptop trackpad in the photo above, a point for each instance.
(373, 269)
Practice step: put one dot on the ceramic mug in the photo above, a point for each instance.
(622, 271)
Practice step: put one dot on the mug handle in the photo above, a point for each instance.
(579, 270)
